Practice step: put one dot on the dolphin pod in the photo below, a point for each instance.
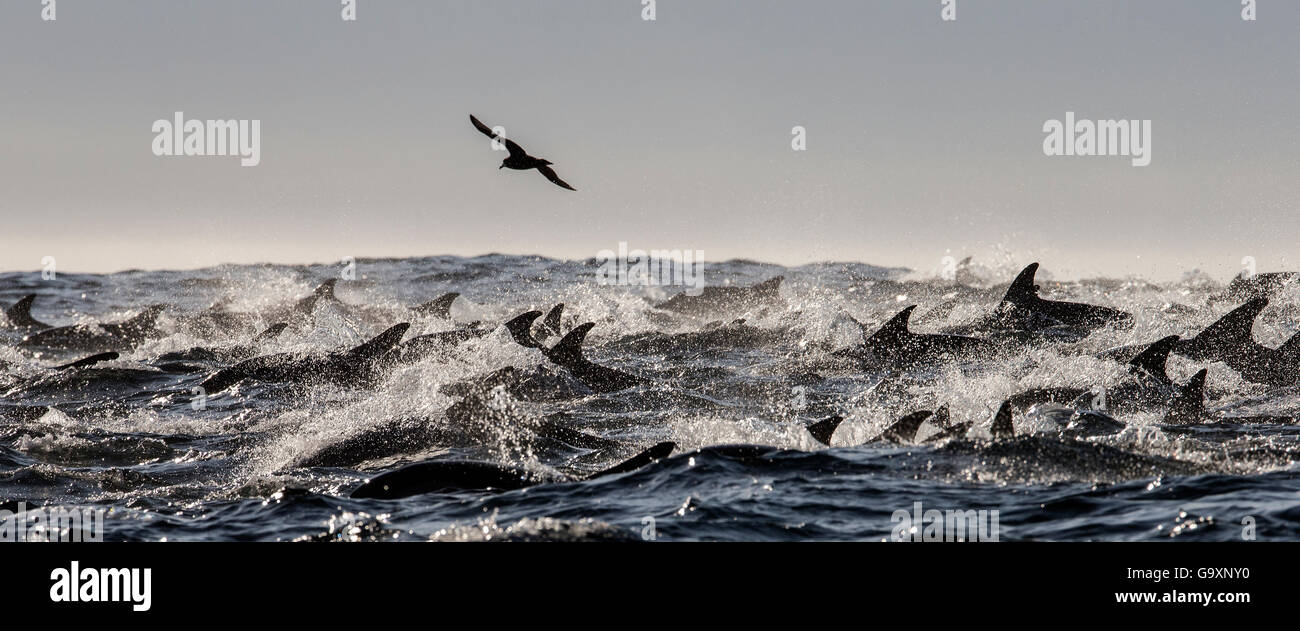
(892, 345)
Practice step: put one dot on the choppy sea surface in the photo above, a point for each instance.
(276, 461)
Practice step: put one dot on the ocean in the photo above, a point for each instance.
(267, 461)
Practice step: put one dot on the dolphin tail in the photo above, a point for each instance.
(1023, 287)
(381, 343)
(270, 333)
(21, 313)
(1188, 406)
(659, 451)
(1003, 427)
(569, 350)
(1153, 359)
(552, 320)
(520, 329)
(439, 307)
(824, 429)
(88, 361)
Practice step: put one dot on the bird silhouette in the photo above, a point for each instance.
(519, 159)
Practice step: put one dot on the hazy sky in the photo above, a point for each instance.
(924, 137)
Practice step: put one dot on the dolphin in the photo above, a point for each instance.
(432, 476)
(568, 354)
(359, 366)
(435, 344)
(227, 354)
(124, 335)
(1230, 340)
(1250, 286)
(19, 316)
(727, 300)
(1022, 309)
(1188, 408)
(1148, 387)
(894, 346)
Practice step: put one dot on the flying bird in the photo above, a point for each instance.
(519, 159)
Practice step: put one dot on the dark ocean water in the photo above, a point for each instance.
(267, 461)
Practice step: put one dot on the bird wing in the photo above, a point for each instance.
(512, 146)
(550, 175)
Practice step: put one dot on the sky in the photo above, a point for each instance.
(924, 137)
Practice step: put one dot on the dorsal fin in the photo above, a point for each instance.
(771, 285)
(904, 429)
(21, 313)
(145, 319)
(1023, 287)
(823, 430)
(895, 329)
(569, 350)
(324, 290)
(1153, 359)
(381, 343)
(1003, 427)
(659, 451)
(270, 333)
(1232, 331)
(88, 361)
(439, 307)
(1188, 406)
(520, 326)
(941, 418)
(552, 320)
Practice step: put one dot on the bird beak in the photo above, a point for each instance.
(501, 167)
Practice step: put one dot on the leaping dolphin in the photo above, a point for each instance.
(1022, 309)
